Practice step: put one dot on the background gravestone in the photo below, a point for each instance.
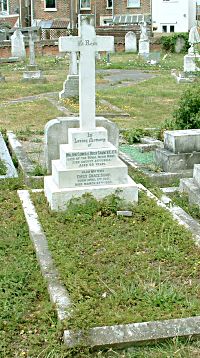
(17, 45)
(180, 44)
(2, 35)
(130, 42)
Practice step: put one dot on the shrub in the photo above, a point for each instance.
(187, 115)
(168, 43)
(134, 135)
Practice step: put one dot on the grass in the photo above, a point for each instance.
(3, 169)
(132, 61)
(28, 324)
(149, 103)
(27, 116)
(129, 269)
(182, 200)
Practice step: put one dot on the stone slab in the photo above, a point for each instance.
(130, 334)
(11, 171)
(56, 133)
(182, 141)
(170, 162)
(190, 187)
(196, 174)
(91, 176)
(143, 47)
(190, 63)
(58, 198)
(32, 75)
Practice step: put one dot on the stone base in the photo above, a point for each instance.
(171, 162)
(58, 198)
(70, 87)
(33, 75)
(143, 47)
(190, 63)
(190, 187)
(56, 133)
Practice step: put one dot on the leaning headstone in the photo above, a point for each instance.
(32, 72)
(144, 41)
(130, 42)
(71, 85)
(181, 150)
(179, 45)
(89, 162)
(17, 45)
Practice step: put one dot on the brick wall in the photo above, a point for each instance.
(62, 6)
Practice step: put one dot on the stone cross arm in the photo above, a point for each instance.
(77, 43)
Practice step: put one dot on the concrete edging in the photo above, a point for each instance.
(58, 293)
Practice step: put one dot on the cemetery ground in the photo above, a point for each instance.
(153, 277)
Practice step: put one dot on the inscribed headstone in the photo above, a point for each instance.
(89, 162)
(17, 45)
(130, 42)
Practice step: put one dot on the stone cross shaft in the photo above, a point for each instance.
(31, 49)
(88, 44)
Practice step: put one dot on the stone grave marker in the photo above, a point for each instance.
(71, 85)
(32, 72)
(17, 45)
(88, 163)
(2, 35)
(181, 150)
(191, 186)
(191, 59)
(144, 41)
(130, 42)
(179, 45)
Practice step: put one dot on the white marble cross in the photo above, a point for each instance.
(88, 44)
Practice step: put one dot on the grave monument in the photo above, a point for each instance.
(191, 186)
(130, 42)
(89, 162)
(32, 72)
(144, 40)
(17, 45)
(181, 150)
(71, 85)
(190, 60)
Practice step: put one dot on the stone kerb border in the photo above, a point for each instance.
(106, 336)
(57, 291)
(6, 158)
(163, 178)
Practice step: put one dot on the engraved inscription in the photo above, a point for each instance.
(90, 159)
(87, 43)
(93, 177)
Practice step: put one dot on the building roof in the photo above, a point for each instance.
(54, 24)
(10, 20)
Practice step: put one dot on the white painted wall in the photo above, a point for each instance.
(178, 13)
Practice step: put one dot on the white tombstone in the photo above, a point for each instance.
(193, 57)
(130, 42)
(17, 45)
(89, 162)
(144, 41)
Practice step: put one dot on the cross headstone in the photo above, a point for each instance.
(31, 48)
(87, 44)
(89, 162)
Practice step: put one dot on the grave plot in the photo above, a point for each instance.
(119, 272)
(7, 168)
